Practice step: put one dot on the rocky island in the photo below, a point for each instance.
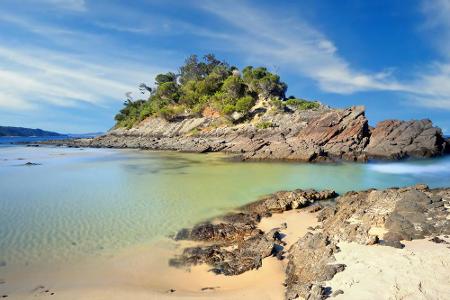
(210, 106)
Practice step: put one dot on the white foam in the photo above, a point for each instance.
(437, 167)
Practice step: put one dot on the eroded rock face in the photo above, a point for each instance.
(369, 217)
(393, 139)
(234, 244)
(311, 262)
(401, 214)
(312, 135)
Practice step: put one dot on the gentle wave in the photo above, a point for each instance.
(412, 168)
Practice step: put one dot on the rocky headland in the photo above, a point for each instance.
(322, 134)
(234, 244)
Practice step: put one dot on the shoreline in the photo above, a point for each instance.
(142, 272)
(323, 135)
(327, 255)
(130, 273)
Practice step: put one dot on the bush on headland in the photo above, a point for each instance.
(208, 83)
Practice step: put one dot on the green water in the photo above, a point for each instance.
(82, 202)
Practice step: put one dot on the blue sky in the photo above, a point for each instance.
(66, 65)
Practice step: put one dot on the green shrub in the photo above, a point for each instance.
(302, 104)
(277, 103)
(203, 82)
(228, 109)
(244, 104)
(264, 125)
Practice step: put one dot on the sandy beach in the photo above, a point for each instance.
(419, 271)
(143, 273)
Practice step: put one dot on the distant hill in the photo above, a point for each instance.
(25, 132)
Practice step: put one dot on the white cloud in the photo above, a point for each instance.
(72, 5)
(59, 79)
(297, 45)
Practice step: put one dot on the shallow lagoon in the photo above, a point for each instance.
(82, 202)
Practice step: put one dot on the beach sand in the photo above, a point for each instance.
(143, 273)
(419, 271)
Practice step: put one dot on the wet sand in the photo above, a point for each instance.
(143, 273)
(419, 271)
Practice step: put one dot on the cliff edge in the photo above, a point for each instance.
(323, 134)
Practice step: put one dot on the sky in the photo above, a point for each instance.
(66, 65)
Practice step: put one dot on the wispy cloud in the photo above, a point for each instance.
(39, 76)
(431, 88)
(296, 44)
(72, 5)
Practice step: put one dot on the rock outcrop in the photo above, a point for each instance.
(399, 139)
(311, 135)
(384, 217)
(233, 244)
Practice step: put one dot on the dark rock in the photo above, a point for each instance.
(31, 164)
(310, 262)
(247, 256)
(393, 139)
(237, 245)
(337, 293)
(224, 232)
(392, 243)
(438, 240)
(2, 263)
(209, 288)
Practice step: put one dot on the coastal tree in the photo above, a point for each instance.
(207, 83)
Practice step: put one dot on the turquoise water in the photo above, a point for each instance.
(81, 202)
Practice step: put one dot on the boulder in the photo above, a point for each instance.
(393, 139)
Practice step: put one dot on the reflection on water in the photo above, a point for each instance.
(83, 201)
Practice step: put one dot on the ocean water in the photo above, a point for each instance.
(81, 202)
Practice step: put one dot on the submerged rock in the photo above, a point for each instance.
(31, 164)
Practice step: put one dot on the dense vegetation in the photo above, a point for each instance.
(208, 83)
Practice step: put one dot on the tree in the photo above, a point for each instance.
(145, 88)
(264, 83)
(233, 86)
(164, 78)
(190, 70)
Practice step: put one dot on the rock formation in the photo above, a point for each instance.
(310, 135)
(233, 244)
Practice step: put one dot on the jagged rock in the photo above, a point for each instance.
(401, 213)
(222, 232)
(393, 139)
(237, 245)
(405, 214)
(312, 135)
(286, 200)
(246, 256)
(309, 264)
(384, 217)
